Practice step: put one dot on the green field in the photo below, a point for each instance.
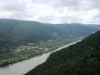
(30, 50)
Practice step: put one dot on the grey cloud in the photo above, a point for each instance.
(52, 10)
(96, 3)
(14, 5)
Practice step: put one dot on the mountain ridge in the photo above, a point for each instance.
(16, 32)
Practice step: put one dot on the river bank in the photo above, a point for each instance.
(23, 67)
(29, 51)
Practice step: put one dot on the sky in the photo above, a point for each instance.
(52, 11)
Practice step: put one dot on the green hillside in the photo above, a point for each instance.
(82, 58)
(16, 31)
(77, 29)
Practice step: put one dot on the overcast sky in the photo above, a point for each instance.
(52, 11)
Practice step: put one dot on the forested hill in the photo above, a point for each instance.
(77, 29)
(82, 58)
(16, 32)
(19, 32)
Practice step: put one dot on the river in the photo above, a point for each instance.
(23, 67)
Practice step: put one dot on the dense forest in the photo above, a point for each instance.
(82, 58)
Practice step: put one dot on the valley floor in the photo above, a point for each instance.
(30, 50)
